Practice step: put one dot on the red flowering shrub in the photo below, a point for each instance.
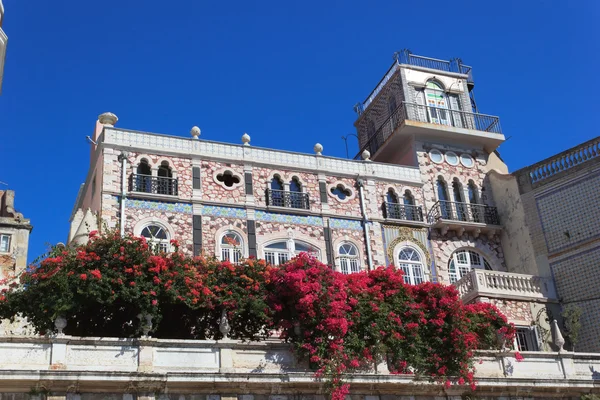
(339, 323)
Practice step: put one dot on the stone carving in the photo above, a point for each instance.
(60, 324)
(318, 149)
(224, 326)
(146, 320)
(246, 139)
(559, 340)
(195, 132)
(108, 119)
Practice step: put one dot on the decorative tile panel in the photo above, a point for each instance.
(345, 224)
(158, 205)
(230, 212)
(289, 219)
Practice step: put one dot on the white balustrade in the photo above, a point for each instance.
(483, 283)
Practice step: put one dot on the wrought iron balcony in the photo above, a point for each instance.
(153, 184)
(405, 212)
(406, 57)
(284, 198)
(464, 212)
(504, 285)
(432, 115)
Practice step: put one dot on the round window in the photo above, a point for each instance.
(451, 158)
(436, 156)
(466, 160)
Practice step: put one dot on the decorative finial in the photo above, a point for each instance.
(318, 149)
(60, 323)
(108, 119)
(559, 340)
(195, 132)
(366, 155)
(246, 139)
(224, 326)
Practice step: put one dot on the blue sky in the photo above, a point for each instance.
(288, 73)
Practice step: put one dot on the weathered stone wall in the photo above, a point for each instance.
(517, 312)
(214, 190)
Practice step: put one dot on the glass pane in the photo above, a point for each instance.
(225, 255)
(301, 247)
(344, 266)
(295, 186)
(232, 239)
(354, 266)
(5, 243)
(278, 245)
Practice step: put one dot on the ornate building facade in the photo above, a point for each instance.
(417, 196)
(14, 236)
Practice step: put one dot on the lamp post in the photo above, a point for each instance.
(346, 141)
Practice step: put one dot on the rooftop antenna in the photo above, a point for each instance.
(89, 139)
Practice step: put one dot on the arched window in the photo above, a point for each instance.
(143, 177)
(442, 192)
(409, 206)
(457, 192)
(473, 195)
(157, 237)
(276, 197)
(296, 195)
(437, 103)
(282, 251)
(477, 211)
(232, 247)
(165, 179)
(348, 256)
(391, 197)
(464, 261)
(410, 262)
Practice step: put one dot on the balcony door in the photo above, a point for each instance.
(437, 104)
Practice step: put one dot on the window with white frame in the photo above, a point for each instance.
(279, 252)
(157, 237)
(411, 263)
(232, 247)
(526, 338)
(464, 261)
(4, 243)
(348, 257)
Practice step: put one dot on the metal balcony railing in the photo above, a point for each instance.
(465, 212)
(404, 212)
(406, 57)
(432, 115)
(283, 198)
(153, 184)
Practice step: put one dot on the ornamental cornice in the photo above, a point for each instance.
(278, 159)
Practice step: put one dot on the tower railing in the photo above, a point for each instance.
(432, 115)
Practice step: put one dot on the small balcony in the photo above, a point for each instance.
(505, 285)
(153, 184)
(287, 199)
(461, 217)
(402, 212)
(434, 122)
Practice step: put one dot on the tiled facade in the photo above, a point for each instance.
(387, 205)
(560, 199)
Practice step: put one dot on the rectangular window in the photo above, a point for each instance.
(4, 243)
(525, 339)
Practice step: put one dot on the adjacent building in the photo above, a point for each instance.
(559, 196)
(14, 236)
(418, 194)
